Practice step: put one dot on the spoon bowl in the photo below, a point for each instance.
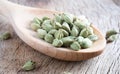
(21, 17)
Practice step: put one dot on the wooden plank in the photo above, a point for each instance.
(103, 13)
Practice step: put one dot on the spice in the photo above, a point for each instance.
(65, 30)
(111, 38)
(5, 36)
(29, 65)
(110, 32)
(41, 33)
(75, 46)
(86, 43)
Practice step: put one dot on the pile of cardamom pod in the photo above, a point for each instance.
(65, 30)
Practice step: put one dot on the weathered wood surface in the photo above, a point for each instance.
(105, 14)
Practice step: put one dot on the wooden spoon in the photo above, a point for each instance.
(21, 17)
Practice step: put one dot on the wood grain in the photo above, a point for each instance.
(103, 13)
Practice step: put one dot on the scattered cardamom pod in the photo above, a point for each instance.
(110, 32)
(49, 38)
(93, 37)
(57, 43)
(67, 73)
(111, 38)
(41, 33)
(75, 46)
(5, 36)
(86, 43)
(29, 65)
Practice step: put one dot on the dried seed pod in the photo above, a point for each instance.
(84, 20)
(112, 38)
(47, 27)
(41, 33)
(46, 22)
(29, 65)
(66, 27)
(35, 26)
(52, 32)
(86, 32)
(45, 18)
(37, 21)
(57, 43)
(58, 18)
(49, 38)
(67, 40)
(67, 17)
(93, 37)
(65, 32)
(59, 34)
(79, 39)
(86, 43)
(57, 25)
(110, 32)
(5, 36)
(74, 31)
(75, 46)
(79, 24)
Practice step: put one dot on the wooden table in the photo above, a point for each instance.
(105, 14)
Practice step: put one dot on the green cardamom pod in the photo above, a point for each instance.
(52, 32)
(86, 43)
(57, 43)
(79, 24)
(86, 32)
(37, 21)
(29, 65)
(59, 34)
(67, 17)
(111, 38)
(79, 39)
(75, 46)
(65, 33)
(45, 18)
(57, 25)
(58, 18)
(5, 36)
(93, 37)
(65, 26)
(35, 26)
(47, 27)
(41, 33)
(46, 22)
(49, 38)
(110, 32)
(67, 40)
(74, 31)
(84, 20)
